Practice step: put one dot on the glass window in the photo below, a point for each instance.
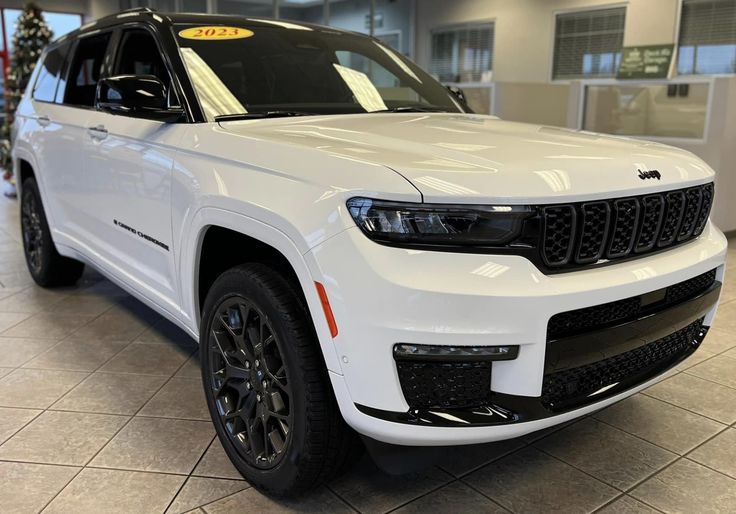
(48, 76)
(666, 110)
(259, 9)
(85, 70)
(139, 55)
(308, 71)
(463, 54)
(707, 37)
(588, 43)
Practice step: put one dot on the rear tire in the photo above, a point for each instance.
(266, 384)
(47, 267)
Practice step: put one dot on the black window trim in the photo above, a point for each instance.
(62, 74)
(113, 55)
(73, 53)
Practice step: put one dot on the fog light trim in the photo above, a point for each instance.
(437, 353)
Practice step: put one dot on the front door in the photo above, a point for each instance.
(128, 168)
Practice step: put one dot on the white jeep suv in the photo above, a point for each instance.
(353, 248)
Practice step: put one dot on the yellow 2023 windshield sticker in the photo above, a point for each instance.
(215, 32)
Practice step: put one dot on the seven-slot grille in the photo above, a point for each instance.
(584, 233)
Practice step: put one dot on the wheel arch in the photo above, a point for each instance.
(247, 240)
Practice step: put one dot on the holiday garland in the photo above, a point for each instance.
(31, 36)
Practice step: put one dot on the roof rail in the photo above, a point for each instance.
(139, 9)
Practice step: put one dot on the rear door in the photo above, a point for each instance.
(65, 136)
(128, 168)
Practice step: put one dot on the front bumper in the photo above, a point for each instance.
(381, 296)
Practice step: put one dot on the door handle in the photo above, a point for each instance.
(98, 132)
(43, 120)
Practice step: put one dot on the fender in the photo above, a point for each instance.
(191, 246)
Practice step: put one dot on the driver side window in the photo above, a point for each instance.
(139, 55)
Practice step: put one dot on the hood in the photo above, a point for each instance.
(467, 158)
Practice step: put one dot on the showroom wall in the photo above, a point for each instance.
(524, 29)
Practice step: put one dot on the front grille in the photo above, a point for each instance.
(575, 387)
(583, 233)
(621, 311)
(445, 385)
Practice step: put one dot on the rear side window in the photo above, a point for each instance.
(85, 70)
(49, 75)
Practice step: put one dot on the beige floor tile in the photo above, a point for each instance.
(47, 325)
(111, 393)
(250, 500)
(457, 498)
(718, 341)
(96, 491)
(719, 369)
(18, 279)
(156, 444)
(112, 326)
(663, 424)
(15, 352)
(530, 481)
(148, 359)
(460, 460)
(370, 490)
(610, 455)
(32, 300)
(76, 355)
(62, 438)
(627, 505)
(5, 371)
(164, 331)
(201, 491)
(191, 368)
(216, 464)
(12, 420)
(688, 487)
(26, 488)
(181, 398)
(85, 305)
(697, 395)
(36, 388)
(719, 453)
(726, 317)
(10, 319)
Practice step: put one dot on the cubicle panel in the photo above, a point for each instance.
(666, 110)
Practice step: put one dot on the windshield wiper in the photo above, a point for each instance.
(414, 108)
(259, 115)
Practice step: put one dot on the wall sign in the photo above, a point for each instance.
(645, 62)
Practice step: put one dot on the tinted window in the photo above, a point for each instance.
(85, 70)
(139, 55)
(48, 76)
(309, 71)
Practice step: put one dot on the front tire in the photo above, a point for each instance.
(266, 385)
(47, 267)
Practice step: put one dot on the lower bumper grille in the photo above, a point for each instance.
(445, 385)
(601, 316)
(576, 387)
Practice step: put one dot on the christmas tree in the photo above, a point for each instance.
(31, 35)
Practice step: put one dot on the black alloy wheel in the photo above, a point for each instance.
(32, 231)
(249, 382)
(266, 384)
(47, 267)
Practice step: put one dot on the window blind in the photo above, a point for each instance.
(462, 54)
(707, 37)
(588, 43)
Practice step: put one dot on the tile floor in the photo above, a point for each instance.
(101, 411)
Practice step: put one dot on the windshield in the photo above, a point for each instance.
(300, 70)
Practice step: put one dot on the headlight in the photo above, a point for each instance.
(438, 224)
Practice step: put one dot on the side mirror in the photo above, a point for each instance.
(459, 95)
(141, 96)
